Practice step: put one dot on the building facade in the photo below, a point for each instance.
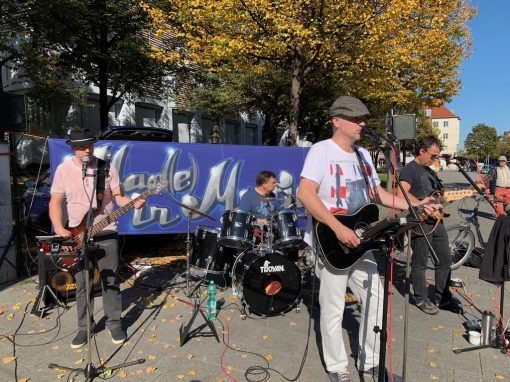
(449, 126)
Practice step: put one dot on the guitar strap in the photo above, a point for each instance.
(364, 172)
(103, 171)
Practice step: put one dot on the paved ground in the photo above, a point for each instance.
(284, 347)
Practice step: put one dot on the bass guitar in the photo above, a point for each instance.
(367, 226)
(68, 260)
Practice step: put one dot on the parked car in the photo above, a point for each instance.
(37, 195)
(486, 168)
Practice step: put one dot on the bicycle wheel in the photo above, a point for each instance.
(462, 242)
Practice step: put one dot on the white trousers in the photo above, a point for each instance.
(363, 279)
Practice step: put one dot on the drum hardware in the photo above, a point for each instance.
(192, 211)
(184, 331)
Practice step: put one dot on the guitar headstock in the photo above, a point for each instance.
(451, 196)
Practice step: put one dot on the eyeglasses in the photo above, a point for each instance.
(433, 156)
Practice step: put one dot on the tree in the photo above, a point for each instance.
(482, 140)
(68, 46)
(396, 52)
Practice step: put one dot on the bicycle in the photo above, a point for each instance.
(461, 238)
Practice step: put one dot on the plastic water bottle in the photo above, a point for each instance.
(211, 300)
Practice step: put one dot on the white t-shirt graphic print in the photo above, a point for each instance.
(342, 187)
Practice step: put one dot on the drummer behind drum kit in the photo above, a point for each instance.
(254, 256)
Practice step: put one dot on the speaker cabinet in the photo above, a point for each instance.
(13, 112)
(57, 286)
(404, 126)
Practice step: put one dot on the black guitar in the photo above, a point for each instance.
(331, 251)
(365, 223)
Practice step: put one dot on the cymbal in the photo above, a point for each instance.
(194, 210)
(270, 199)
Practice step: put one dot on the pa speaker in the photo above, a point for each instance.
(12, 112)
(404, 126)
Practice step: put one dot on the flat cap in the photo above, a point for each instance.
(502, 158)
(348, 106)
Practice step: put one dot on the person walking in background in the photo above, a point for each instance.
(500, 184)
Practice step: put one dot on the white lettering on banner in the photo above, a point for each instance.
(221, 187)
(267, 268)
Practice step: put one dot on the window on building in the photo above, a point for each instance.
(445, 136)
(146, 115)
(435, 124)
(428, 113)
(445, 123)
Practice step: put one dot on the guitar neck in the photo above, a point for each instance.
(113, 217)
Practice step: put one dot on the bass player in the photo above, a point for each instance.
(74, 181)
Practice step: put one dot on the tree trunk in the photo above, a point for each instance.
(215, 129)
(295, 98)
(269, 130)
(103, 68)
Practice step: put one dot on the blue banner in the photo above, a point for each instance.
(208, 178)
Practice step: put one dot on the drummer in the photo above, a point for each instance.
(260, 201)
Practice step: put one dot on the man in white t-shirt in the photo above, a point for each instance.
(79, 191)
(333, 182)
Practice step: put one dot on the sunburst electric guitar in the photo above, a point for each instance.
(69, 260)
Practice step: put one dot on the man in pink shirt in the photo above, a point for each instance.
(80, 193)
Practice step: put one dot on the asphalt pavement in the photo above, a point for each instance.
(280, 347)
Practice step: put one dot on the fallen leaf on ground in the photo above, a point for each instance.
(8, 359)
(17, 306)
(433, 365)
(192, 372)
(265, 337)
(150, 369)
(10, 316)
(152, 357)
(122, 374)
(269, 357)
(499, 376)
(79, 361)
(434, 377)
(180, 376)
(23, 379)
(190, 356)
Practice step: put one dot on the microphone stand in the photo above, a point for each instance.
(381, 142)
(89, 371)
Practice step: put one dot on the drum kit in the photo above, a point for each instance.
(256, 257)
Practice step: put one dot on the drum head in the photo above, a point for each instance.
(270, 284)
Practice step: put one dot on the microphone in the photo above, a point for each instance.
(84, 164)
(379, 139)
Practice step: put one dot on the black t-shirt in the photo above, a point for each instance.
(423, 180)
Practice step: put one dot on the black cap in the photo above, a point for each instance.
(81, 137)
(349, 107)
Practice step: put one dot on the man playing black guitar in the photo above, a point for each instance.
(338, 179)
(419, 181)
(73, 180)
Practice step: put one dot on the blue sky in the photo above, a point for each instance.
(485, 93)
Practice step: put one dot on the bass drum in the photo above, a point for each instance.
(268, 285)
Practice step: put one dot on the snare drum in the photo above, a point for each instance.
(236, 230)
(268, 284)
(287, 232)
(207, 255)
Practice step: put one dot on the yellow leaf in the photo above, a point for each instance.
(150, 369)
(192, 372)
(2, 311)
(434, 377)
(265, 337)
(122, 374)
(60, 376)
(499, 376)
(269, 357)
(433, 364)
(190, 356)
(79, 361)
(56, 347)
(180, 376)
(152, 357)
(17, 306)
(10, 316)
(8, 359)
(23, 379)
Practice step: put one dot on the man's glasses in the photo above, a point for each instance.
(433, 156)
